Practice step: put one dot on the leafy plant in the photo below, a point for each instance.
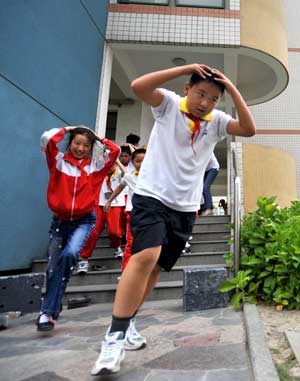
(270, 260)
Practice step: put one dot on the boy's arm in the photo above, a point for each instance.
(114, 150)
(121, 166)
(114, 194)
(147, 86)
(245, 124)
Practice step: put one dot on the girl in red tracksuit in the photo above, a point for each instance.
(75, 179)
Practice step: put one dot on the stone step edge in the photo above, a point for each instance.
(192, 242)
(113, 287)
(94, 258)
(176, 268)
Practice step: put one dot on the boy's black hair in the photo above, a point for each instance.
(126, 149)
(81, 131)
(132, 139)
(137, 151)
(196, 78)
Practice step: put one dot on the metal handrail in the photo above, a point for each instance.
(236, 212)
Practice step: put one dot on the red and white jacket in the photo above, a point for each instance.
(73, 185)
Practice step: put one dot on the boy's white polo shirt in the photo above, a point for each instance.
(171, 171)
(129, 180)
(213, 163)
(106, 191)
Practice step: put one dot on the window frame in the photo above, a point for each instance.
(201, 6)
(141, 2)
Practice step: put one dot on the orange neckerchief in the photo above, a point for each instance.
(135, 172)
(194, 122)
(109, 177)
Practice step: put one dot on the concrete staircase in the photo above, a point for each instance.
(209, 244)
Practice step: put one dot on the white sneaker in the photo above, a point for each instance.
(134, 340)
(118, 253)
(82, 267)
(112, 354)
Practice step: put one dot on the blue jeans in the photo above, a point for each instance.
(209, 178)
(66, 241)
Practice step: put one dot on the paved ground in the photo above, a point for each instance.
(200, 346)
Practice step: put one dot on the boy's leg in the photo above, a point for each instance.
(152, 281)
(129, 296)
(133, 284)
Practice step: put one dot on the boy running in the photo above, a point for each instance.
(168, 190)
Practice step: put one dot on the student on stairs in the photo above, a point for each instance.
(111, 219)
(74, 182)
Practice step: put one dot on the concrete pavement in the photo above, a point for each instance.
(205, 345)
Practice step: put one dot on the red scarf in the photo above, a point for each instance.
(194, 124)
(85, 161)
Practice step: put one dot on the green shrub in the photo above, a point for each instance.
(270, 257)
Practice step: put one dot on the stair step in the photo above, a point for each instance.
(203, 258)
(105, 293)
(208, 246)
(196, 246)
(111, 276)
(213, 235)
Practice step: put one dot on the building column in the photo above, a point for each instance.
(104, 88)
(230, 70)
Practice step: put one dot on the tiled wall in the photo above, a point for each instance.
(283, 112)
(292, 11)
(278, 121)
(174, 25)
(289, 143)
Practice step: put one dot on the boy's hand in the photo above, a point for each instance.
(202, 70)
(220, 77)
(106, 207)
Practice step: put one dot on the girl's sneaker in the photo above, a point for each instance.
(82, 267)
(118, 252)
(45, 323)
(134, 340)
(112, 354)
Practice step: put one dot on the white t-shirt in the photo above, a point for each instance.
(213, 163)
(130, 168)
(106, 191)
(171, 172)
(129, 179)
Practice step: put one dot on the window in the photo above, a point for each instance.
(111, 125)
(153, 2)
(201, 3)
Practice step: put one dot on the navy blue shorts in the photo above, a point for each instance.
(154, 224)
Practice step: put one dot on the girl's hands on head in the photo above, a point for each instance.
(201, 69)
(69, 128)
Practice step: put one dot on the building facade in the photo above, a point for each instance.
(278, 121)
(247, 40)
(50, 70)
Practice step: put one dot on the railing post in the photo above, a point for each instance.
(237, 223)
